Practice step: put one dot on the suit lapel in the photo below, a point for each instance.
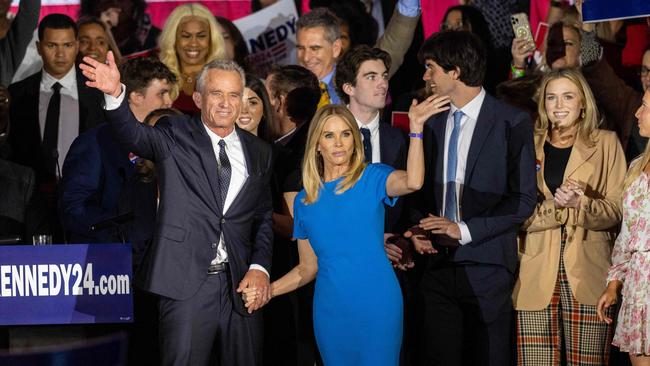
(439, 126)
(580, 154)
(386, 145)
(208, 159)
(84, 101)
(484, 126)
(251, 167)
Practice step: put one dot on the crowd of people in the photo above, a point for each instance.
(280, 219)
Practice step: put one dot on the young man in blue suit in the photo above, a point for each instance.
(479, 187)
(97, 167)
(214, 228)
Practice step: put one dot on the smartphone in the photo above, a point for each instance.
(521, 27)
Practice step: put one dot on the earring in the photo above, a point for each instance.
(582, 114)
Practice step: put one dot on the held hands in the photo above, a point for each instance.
(105, 77)
(394, 254)
(441, 226)
(420, 112)
(568, 194)
(607, 299)
(255, 288)
(420, 241)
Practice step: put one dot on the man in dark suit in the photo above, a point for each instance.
(362, 83)
(50, 108)
(214, 232)
(97, 167)
(479, 187)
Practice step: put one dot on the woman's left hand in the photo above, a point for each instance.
(420, 112)
(569, 194)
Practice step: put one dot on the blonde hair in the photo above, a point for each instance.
(589, 115)
(312, 163)
(168, 38)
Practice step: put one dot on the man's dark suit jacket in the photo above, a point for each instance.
(499, 188)
(190, 219)
(24, 133)
(94, 173)
(393, 151)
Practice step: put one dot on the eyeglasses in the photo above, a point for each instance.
(643, 72)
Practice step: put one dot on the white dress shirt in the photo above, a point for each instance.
(467, 125)
(373, 126)
(68, 112)
(238, 176)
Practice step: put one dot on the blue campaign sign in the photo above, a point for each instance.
(64, 284)
(601, 10)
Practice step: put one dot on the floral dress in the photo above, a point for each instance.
(631, 265)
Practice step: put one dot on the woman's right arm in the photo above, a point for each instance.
(301, 274)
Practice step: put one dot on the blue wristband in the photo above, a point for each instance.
(416, 135)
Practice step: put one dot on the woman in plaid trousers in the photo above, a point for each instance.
(566, 244)
(630, 268)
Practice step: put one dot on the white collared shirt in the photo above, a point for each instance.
(373, 126)
(467, 125)
(238, 176)
(68, 110)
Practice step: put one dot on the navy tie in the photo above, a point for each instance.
(224, 172)
(451, 203)
(367, 145)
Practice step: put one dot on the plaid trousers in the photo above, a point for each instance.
(565, 328)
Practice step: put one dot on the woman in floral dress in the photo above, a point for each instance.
(630, 268)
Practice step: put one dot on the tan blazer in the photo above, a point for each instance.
(591, 229)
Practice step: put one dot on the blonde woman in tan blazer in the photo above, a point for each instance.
(566, 244)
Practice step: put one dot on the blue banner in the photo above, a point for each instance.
(602, 10)
(65, 284)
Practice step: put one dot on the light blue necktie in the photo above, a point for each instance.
(451, 203)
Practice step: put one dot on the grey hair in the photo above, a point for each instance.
(224, 65)
(325, 18)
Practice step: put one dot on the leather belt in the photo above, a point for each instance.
(217, 268)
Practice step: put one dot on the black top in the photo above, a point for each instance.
(554, 165)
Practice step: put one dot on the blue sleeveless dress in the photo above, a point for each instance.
(357, 299)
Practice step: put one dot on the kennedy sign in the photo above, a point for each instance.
(270, 35)
(62, 284)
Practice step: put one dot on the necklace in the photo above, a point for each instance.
(189, 79)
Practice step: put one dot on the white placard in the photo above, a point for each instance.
(270, 36)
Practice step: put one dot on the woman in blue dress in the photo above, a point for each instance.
(338, 222)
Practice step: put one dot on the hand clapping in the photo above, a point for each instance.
(569, 194)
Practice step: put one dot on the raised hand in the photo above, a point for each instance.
(521, 49)
(105, 77)
(420, 112)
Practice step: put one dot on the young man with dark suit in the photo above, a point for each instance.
(479, 187)
(97, 167)
(362, 83)
(214, 229)
(51, 108)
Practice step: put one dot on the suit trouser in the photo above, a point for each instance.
(464, 315)
(205, 324)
